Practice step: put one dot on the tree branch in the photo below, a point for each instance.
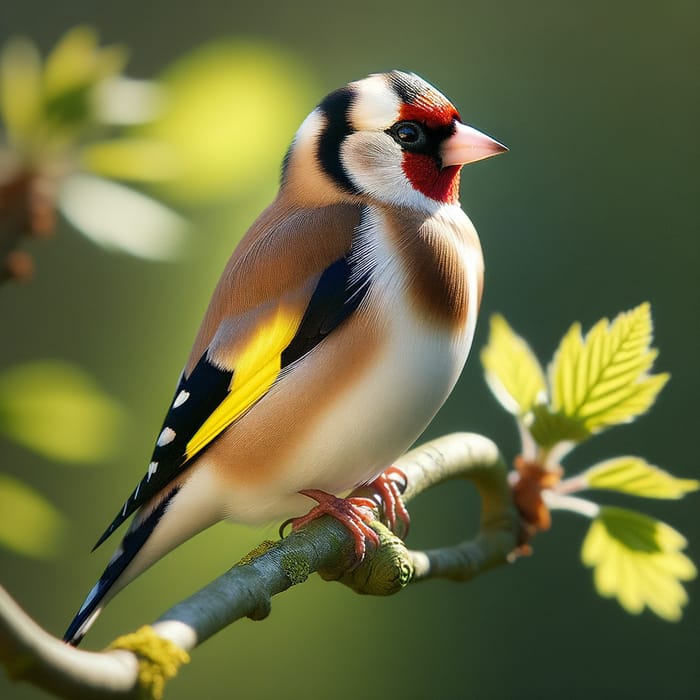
(246, 590)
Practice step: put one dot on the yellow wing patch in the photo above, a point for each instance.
(256, 366)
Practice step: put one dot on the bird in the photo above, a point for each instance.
(338, 328)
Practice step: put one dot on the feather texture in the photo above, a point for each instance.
(242, 362)
(337, 330)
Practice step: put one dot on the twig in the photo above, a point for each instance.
(246, 590)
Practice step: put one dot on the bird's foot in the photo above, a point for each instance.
(390, 485)
(354, 513)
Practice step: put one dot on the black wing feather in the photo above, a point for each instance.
(206, 388)
(335, 298)
(131, 544)
(337, 295)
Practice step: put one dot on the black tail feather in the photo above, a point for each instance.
(134, 539)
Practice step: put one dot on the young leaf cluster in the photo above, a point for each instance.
(593, 383)
(46, 107)
(55, 114)
(107, 150)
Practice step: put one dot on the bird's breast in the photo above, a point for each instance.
(342, 413)
(439, 265)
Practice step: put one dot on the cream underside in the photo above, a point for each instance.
(367, 426)
(376, 418)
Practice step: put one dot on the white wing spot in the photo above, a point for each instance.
(152, 469)
(181, 398)
(166, 437)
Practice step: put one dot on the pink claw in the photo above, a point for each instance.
(351, 512)
(389, 492)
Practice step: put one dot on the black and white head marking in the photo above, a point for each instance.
(335, 109)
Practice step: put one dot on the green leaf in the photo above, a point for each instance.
(73, 69)
(29, 524)
(232, 110)
(138, 160)
(120, 218)
(58, 411)
(512, 371)
(20, 89)
(605, 379)
(638, 561)
(122, 101)
(548, 428)
(77, 62)
(635, 476)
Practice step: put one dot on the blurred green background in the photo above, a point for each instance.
(594, 210)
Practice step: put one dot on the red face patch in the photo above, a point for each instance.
(424, 174)
(422, 170)
(434, 114)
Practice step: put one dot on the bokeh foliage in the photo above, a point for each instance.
(593, 209)
(193, 135)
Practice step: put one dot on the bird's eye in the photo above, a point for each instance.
(408, 134)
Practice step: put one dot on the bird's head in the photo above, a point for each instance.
(391, 137)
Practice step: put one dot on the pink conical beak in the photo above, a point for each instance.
(468, 145)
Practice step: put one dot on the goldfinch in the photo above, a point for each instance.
(337, 330)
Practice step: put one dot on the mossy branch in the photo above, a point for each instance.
(142, 662)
